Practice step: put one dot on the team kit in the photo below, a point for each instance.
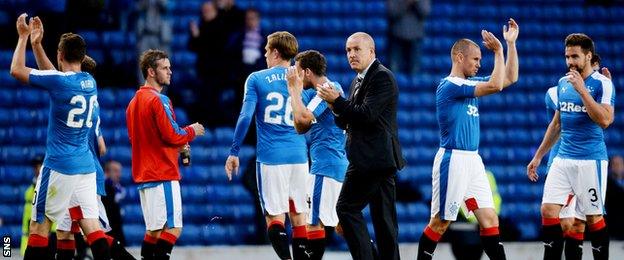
(300, 179)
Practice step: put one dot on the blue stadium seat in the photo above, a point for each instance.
(123, 97)
(16, 174)
(134, 233)
(121, 153)
(11, 213)
(214, 234)
(132, 214)
(92, 38)
(10, 194)
(192, 235)
(106, 97)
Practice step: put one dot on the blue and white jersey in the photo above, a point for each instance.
(581, 137)
(327, 148)
(551, 106)
(457, 110)
(266, 95)
(94, 147)
(73, 97)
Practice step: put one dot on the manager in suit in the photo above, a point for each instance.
(370, 118)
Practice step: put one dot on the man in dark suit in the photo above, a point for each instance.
(373, 150)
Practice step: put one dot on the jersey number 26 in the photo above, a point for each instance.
(276, 118)
(82, 102)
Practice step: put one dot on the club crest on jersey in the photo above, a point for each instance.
(473, 110)
(571, 107)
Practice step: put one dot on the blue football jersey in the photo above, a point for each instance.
(327, 147)
(73, 97)
(94, 147)
(266, 95)
(457, 111)
(581, 137)
(551, 106)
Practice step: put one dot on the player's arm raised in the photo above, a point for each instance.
(510, 33)
(495, 84)
(18, 64)
(550, 138)
(36, 36)
(601, 113)
(303, 118)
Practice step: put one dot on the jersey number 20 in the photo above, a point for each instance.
(276, 108)
(82, 102)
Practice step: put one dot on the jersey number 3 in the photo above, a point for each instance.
(82, 102)
(272, 112)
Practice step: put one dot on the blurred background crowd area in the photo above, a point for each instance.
(214, 45)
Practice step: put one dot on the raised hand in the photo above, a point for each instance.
(605, 71)
(194, 29)
(510, 31)
(295, 82)
(491, 42)
(327, 92)
(36, 30)
(575, 78)
(23, 30)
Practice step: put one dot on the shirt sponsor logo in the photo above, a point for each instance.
(571, 107)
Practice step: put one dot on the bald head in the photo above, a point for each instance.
(466, 58)
(462, 46)
(360, 49)
(365, 38)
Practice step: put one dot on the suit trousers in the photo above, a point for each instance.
(377, 189)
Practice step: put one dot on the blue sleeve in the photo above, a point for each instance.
(550, 107)
(317, 106)
(550, 104)
(98, 129)
(313, 102)
(307, 95)
(608, 93)
(453, 91)
(44, 79)
(247, 111)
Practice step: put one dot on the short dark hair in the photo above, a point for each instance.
(595, 59)
(461, 46)
(73, 47)
(285, 43)
(149, 59)
(582, 40)
(88, 65)
(313, 60)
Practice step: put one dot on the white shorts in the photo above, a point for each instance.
(278, 185)
(161, 205)
(322, 197)
(570, 209)
(459, 180)
(56, 192)
(72, 216)
(587, 179)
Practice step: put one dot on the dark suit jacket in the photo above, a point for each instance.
(370, 119)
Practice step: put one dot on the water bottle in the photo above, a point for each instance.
(185, 154)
